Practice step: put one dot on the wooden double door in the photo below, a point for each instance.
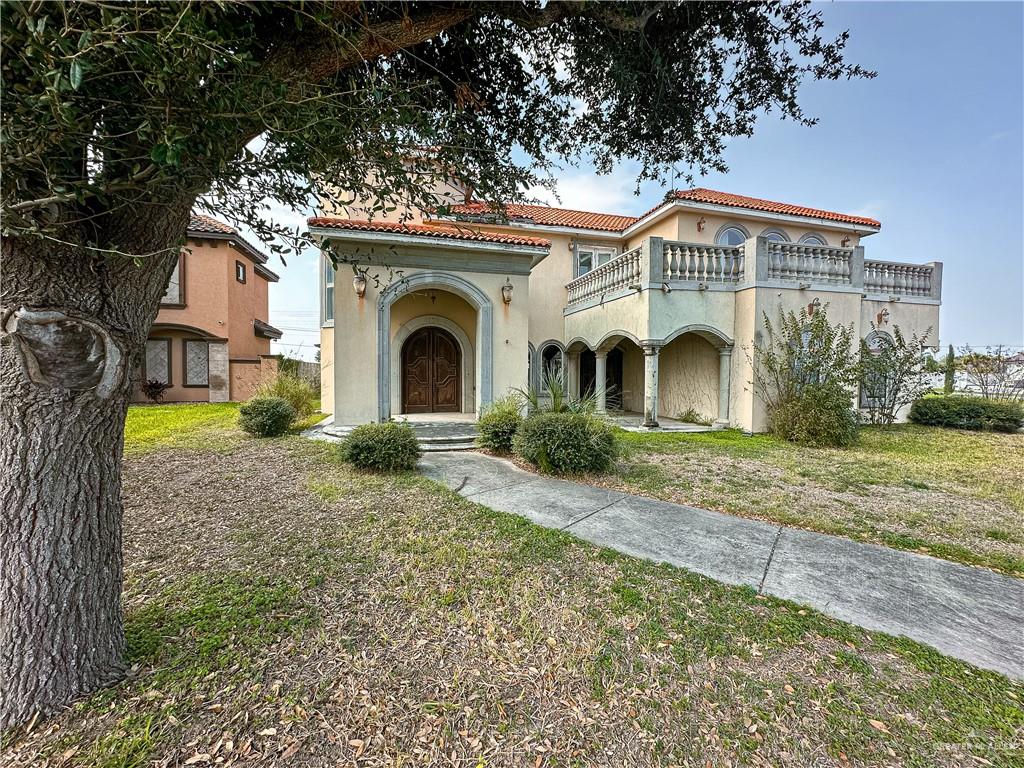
(431, 372)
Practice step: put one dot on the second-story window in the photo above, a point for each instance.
(239, 271)
(813, 239)
(731, 236)
(590, 257)
(328, 290)
(174, 293)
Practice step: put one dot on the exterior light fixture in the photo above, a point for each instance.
(846, 241)
(506, 291)
(813, 307)
(359, 284)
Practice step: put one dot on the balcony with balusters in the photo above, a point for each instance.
(668, 265)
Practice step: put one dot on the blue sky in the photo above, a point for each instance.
(933, 148)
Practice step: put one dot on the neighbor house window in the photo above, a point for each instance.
(174, 293)
(775, 236)
(157, 365)
(239, 271)
(590, 257)
(197, 363)
(328, 290)
(551, 363)
(813, 239)
(731, 235)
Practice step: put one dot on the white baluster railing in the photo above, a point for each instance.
(897, 279)
(801, 262)
(702, 263)
(621, 272)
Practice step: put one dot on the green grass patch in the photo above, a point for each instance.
(207, 426)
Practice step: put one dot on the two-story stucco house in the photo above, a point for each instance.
(210, 340)
(656, 314)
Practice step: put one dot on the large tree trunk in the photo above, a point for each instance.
(73, 324)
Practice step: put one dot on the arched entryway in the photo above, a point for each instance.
(431, 372)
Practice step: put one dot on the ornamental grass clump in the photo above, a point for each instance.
(299, 393)
(387, 447)
(566, 443)
(266, 416)
(498, 425)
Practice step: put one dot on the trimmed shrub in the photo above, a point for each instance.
(964, 412)
(386, 447)
(566, 442)
(299, 393)
(498, 424)
(266, 416)
(820, 415)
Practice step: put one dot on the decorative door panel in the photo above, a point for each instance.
(431, 362)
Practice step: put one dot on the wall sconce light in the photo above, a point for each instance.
(882, 317)
(846, 241)
(506, 291)
(813, 307)
(700, 224)
(359, 284)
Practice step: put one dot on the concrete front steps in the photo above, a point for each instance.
(432, 436)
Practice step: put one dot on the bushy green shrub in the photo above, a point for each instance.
(498, 424)
(299, 393)
(266, 416)
(566, 442)
(964, 412)
(386, 447)
(819, 415)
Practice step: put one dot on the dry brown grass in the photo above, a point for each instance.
(283, 609)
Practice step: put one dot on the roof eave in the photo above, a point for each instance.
(862, 229)
(395, 238)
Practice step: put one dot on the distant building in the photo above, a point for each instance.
(211, 340)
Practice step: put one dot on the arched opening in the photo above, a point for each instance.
(613, 377)
(431, 372)
(688, 379)
(442, 300)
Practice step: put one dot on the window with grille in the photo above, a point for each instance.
(158, 360)
(197, 363)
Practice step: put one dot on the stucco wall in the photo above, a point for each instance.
(247, 375)
(327, 369)
(246, 301)
(356, 382)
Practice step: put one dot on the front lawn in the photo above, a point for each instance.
(284, 609)
(953, 494)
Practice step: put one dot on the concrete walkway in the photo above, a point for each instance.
(970, 613)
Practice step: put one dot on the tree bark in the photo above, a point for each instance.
(73, 323)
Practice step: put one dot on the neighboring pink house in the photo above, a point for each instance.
(211, 340)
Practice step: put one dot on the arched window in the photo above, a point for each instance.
(531, 352)
(813, 239)
(775, 236)
(552, 363)
(731, 234)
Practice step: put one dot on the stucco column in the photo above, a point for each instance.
(651, 385)
(572, 374)
(724, 375)
(601, 380)
(218, 372)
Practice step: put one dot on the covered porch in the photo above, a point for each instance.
(683, 379)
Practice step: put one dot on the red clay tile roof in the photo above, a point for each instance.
(444, 231)
(199, 225)
(546, 216)
(701, 195)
